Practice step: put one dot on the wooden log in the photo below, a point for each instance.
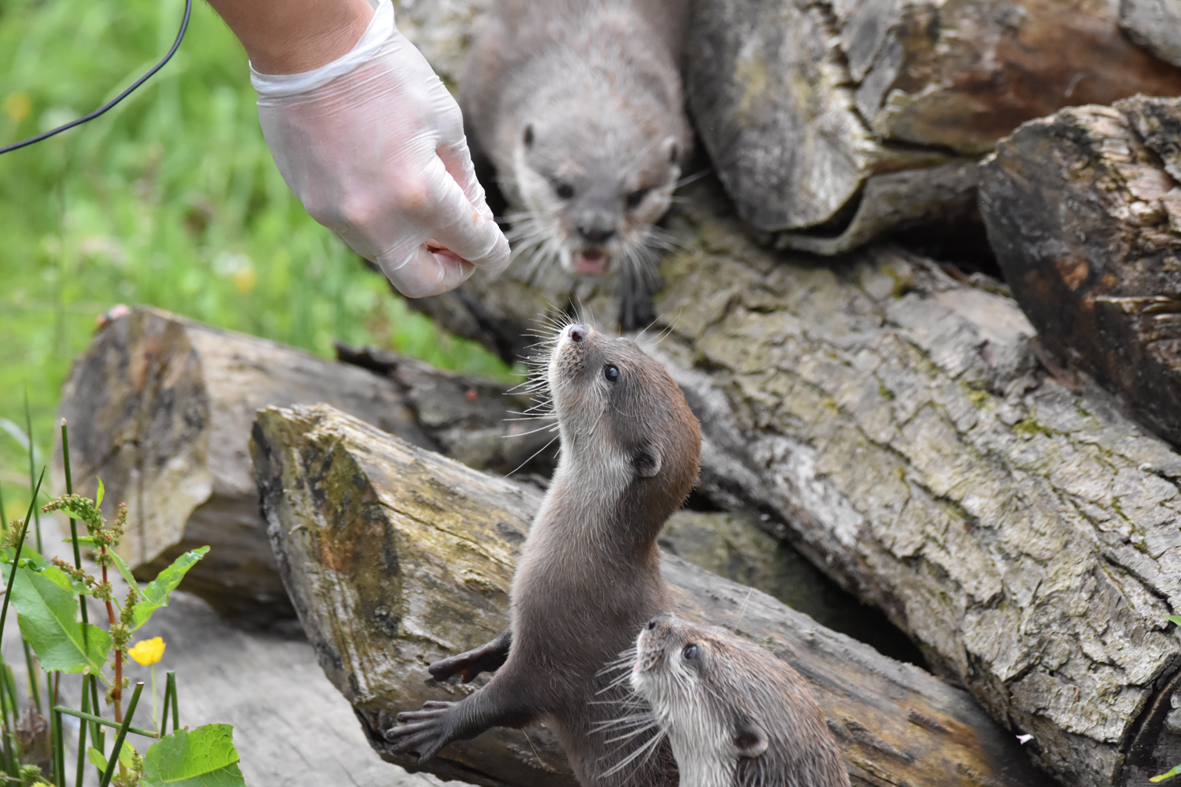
(894, 425)
(1083, 209)
(1154, 25)
(160, 408)
(809, 110)
(396, 557)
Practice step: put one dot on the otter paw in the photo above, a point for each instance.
(424, 731)
(486, 658)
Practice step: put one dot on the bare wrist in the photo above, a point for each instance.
(293, 36)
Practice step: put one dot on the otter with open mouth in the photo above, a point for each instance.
(578, 106)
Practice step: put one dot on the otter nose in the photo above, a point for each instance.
(577, 332)
(596, 234)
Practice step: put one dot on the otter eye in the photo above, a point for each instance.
(690, 653)
(636, 197)
(611, 373)
(563, 189)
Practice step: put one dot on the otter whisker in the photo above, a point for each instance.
(534, 455)
(696, 176)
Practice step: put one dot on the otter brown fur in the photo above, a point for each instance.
(578, 106)
(589, 575)
(736, 715)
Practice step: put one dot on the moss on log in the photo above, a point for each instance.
(396, 557)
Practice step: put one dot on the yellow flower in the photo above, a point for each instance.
(148, 651)
(244, 280)
(17, 106)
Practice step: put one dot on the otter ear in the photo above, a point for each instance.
(749, 739)
(646, 462)
(671, 149)
(527, 137)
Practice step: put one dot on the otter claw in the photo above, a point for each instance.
(489, 657)
(424, 731)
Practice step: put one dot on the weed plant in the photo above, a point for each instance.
(170, 199)
(49, 597)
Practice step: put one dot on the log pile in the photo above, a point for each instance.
(894, 424)
(851, 118)
(1083, 209)
(396, 557)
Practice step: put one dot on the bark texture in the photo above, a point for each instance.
(894, 425)
(1083, 209)
(1155, 25)
(854, 117)
(334, 489)
(160, 408)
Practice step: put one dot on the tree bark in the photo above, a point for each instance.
(396, 557)
(1083, 209)
(894, 425)
(160, 408)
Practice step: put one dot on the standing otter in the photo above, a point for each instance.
(589, 575)
(735, 714)
(578, 105)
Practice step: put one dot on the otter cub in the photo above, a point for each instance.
(735, 714)
(589, 574)
(578, 106)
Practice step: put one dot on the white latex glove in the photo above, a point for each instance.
(373, 146)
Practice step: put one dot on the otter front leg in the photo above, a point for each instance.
(489, 657)
(427, 731)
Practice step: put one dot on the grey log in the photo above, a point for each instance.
(895, 426)
(160, 408)
(396, 557)
(1083, 209)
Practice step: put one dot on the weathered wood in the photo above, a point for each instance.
(160, 408)
(811, 111)
(1155, 25)
(396, 557)
(1083, 209)
(894, 425)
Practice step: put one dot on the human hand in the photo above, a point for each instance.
(373, 146)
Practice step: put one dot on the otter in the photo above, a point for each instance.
(736, 715)
(578, 106)
(589, 574)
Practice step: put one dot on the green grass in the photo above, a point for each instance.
(170, 199)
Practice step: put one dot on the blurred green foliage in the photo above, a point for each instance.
(170, 199)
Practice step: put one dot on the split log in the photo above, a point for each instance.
(1083, 209)
(894, 425)
(396, 557)
(1155, 25)
(160, 408)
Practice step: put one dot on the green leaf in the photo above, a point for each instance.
(156, 594)
(96, 758)
(1174, 619)
(98, 496)
(205, 757)
(1175, 772)
(49, 622)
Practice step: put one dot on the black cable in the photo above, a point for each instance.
(184, 25)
